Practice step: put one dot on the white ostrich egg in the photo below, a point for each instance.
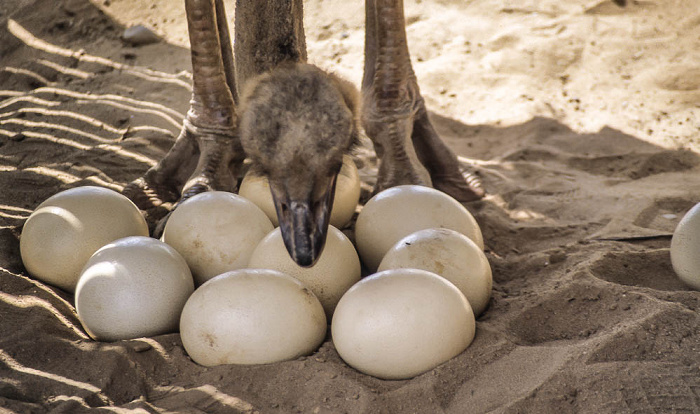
(63, 232)
(347, 194)
(400, 323)
(685, 248)
(399, 211)
(449, 254)
(336, 270)
(251, 316)
(216, 232)
(257, 189)
(131, 288)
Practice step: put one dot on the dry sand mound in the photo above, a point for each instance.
(582, 118)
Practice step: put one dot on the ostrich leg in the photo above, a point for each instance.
(207, 155)
(394, 113)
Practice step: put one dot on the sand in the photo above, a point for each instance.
(581, 117)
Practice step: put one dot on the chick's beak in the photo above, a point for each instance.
(304, 219)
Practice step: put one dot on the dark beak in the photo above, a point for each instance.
(304, 221)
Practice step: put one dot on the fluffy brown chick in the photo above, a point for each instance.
(296, 123)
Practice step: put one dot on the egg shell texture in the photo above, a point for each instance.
(63, 232)
(449, 254)
(251, 316)
(216, 232)
(399, 211)
(400, 323)
(134, 287)
(685, 248)
(257, 189)
(334, 273)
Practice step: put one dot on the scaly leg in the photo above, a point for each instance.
(394, 113)
(207, 155)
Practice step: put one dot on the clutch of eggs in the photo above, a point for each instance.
(433, 277)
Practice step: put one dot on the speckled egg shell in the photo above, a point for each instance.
(216, 232)
(251, 316)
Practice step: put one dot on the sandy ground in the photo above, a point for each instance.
(582, 118)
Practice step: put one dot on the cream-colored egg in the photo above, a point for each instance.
(399, 211)
(399, 323)
(347, 194)
(685, 248)
(449, 254)
(257, 189)
(251, 316)
(216, 232)
(131, 288)
(336, 270)
(63, 232)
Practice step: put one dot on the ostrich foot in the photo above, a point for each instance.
(201, 159)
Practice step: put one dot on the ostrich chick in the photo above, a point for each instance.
(296, 123)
